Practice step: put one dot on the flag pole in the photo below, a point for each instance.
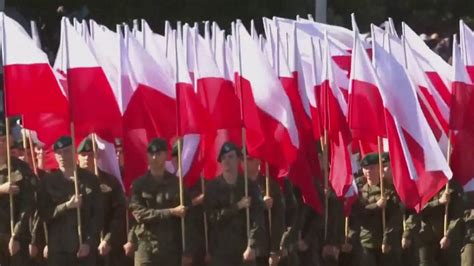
(346, 230)
(446, 190)
(72, 128)
(7, 132)
(244, 131)
(326, 183)
(180, 169)
(382, 187)
(267, 193)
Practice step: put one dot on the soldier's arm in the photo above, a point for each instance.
(256, 215)
(292, 208)
(37, 230)
(94, 222)
(335, 221)
(393, 218)
(48, 210)
(456, 210)
(412, 223)
(354, 224)
(27, 203)
(190, 228)
(217, 215)
(141, 212)
(278, 218)
(118, 217)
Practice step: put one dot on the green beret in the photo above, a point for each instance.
(85, 146)
(156, 145)
(369, 159)
(62, 142)
(228, 147)
(385, 157)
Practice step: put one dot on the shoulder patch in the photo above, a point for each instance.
(104, 188)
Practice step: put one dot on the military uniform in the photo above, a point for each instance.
(467, 257)
(409, 256)
(157, 231)
(23, 206)
(273, 231)
(431, 230)
(114, 230)
(293, 208)
(198, 224)
(227, 224)
(335, 228)
(63, 240)
(372, 235)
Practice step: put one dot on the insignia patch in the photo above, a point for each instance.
(159, 198)
(16, 176)
(146, 195)
(88, 190)
(104, 188)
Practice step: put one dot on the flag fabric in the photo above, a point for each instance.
(418, 165)
(31, 88)
(461, 117)
(93, 106)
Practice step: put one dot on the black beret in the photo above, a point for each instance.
(228, 147)
(62, 142)
(369, 159)
(156, 145)
(85, 146)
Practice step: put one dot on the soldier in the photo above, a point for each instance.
(375, 241)
(467, 256)
(58, 206)
(155, 204)
(113, 234)
(24, 181)
(225, 203)
(435, 247)
(268, 253)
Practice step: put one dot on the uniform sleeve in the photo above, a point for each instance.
(190, 229)
(95, 220)
(141, 212)
(117, 224)
(47, 208)
(294, 206)
(412, 224)
(217, 215)
(27, 203)
(256, 215)
(392, 217)
(335, 221)
(455, 210)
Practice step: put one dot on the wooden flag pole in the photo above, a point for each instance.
(204, 216)
(446, 190)
(346, 229)
(237, 25)
(382, 188)
(9, 175)
(180, 143)
(267, 193)
(73, 150)
(326, 183)
(95, 154)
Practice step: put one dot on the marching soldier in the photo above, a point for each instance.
(58, 208)
(467, 256)
(113, 234)
(155, 204)
(435, 247)
(375, 241)
(268, 253)
(225, 203)
(14, 248)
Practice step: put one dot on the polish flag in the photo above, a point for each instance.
(418, 165)
(366, 118)
(436, 69)
(149, 97)
(338, 132)
(31, 88)
(217, 95)
(461, 118)
(92, 102)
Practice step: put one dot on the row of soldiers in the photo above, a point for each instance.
(225, 221)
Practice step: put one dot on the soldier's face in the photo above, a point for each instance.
(157, 160)
(230, 161)
(253, 166)
(64, 157)
(86, 159)
(372, 173)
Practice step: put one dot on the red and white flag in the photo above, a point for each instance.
(93, 106)
(461, 122)
(467, 47)
(418, 165)
(31, 88)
